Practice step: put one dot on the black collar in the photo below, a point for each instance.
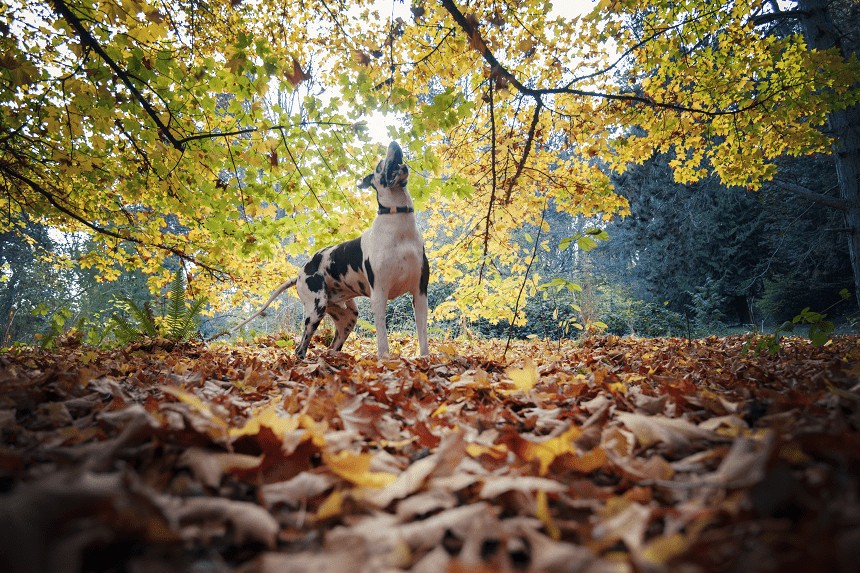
(389, 210)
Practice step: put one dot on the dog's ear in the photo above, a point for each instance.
(366, 182)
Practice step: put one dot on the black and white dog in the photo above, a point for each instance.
(386, 261)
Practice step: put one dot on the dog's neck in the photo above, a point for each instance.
(395, 200)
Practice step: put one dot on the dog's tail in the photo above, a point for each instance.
(277, 292)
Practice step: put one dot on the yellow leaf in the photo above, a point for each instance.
(331, 507)
(268, 417)
(194, 402)
(447, 348)
(355, 468)
(476, 450)
(544, 452)
(542, 513)
(524, 378)
(663, 549)
(439, 411)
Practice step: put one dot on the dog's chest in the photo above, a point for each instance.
(395, 251)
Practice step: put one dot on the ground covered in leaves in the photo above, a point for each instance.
(608, 455)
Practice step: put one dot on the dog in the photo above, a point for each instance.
(385, 262)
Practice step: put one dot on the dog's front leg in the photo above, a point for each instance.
(419, 306)
(378, 304)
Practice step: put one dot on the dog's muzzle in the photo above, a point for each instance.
(395, 174)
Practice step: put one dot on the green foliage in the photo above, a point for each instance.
(141, 324)
(706, 304)
(641, 318)
(182, 317)
(178, 324)
(819, 329)
(586, 240)
(57, 321)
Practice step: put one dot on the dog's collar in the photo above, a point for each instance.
(389, 210)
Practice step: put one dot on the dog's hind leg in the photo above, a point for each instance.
(345, 315)
(419, 306)
(315, 301)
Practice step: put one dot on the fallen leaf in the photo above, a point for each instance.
(524, 378)
(676, 433)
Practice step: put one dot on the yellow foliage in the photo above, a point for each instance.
(239, 142)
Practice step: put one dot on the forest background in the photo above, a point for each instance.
(656, 168)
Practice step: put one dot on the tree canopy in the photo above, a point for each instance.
(232, 133)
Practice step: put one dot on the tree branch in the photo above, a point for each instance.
(218, 273)
(299, 170)
(477, 41)
(762, 19)
(827, 200)
(491, 104)
(529, 140)
(86, 38)
(244, 131)
(525, 279)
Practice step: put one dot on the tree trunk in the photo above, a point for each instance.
(820, 18)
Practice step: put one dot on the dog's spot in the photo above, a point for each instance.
(307, 320)
(313, 265)
(369, 273)
(319, 307)
(425, 275)
(344, 257)
(315, 282)
(363, 289)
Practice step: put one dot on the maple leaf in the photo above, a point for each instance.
(297, 75)
(544, 452)
(524, 378)
(355, 468)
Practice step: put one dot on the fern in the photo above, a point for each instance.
(177, 325)
(176, 312)
(187, 327)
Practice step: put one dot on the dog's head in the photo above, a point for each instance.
(390, 173)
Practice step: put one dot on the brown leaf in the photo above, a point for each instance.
(297, 490)
(297, 75)
(209, 467)
(676, 433)
(249, 523)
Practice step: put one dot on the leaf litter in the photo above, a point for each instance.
(612, 455)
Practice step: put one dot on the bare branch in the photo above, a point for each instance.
(762, 19)
(492, 200)
(525, 279)
(526, 151)
(299, 170)
(834, 202)
(247, 130)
